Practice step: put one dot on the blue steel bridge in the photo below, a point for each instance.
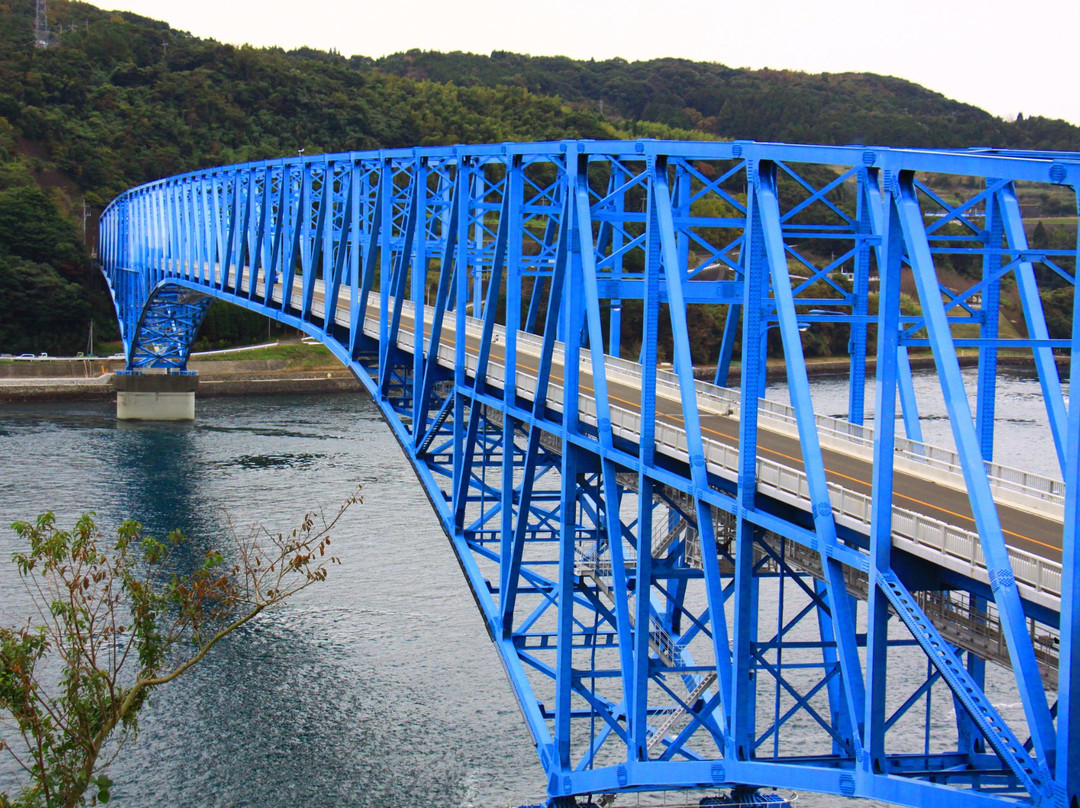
(691, 587)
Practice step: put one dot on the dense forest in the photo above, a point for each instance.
(732, 104)
(118, 100)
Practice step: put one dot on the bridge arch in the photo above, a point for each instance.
(166, 326)
(687, 591)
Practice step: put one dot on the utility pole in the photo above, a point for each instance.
(41, 26)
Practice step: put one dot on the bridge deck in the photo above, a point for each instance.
(932, 511)
(572, 553)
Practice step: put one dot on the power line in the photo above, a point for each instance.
(41, 26)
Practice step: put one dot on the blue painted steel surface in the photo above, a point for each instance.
(667, 621)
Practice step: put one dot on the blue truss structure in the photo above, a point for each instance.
(687, 591)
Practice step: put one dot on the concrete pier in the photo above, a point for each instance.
(155, 396)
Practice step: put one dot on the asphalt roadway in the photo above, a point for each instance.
(1024, 528)
(1027, 529)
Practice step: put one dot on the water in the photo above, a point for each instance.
(1021, 436)
(378, 687)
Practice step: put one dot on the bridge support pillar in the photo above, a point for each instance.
(155, 397)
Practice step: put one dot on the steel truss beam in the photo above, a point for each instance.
(669, 620)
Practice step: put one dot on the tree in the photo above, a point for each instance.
(42, 311)
(116, 619)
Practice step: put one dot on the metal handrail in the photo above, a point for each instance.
(1038, 578)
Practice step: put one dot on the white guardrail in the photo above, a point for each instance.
(951, 547)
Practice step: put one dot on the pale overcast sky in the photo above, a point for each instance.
(1006, 57)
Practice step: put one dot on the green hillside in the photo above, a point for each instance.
(767, 105)
(119, 99)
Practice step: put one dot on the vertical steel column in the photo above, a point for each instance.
(611, 524)
(674, 278)
(297, 218)
(174, 233)
(187, 231)
(533, 448)
(418, 291)
(843, 619)
(462, 450)
(861, 289)
(877, 620)
(241, 215)
(639, 695)
(316, 242)
(985, 403)
(448, 270)
(337, 256)
(478, 195)
(386, 269)
(680, 205)
(218, 218)
(1067, 770)
(157, 213)
(875, 209)
(742, 700)
(399, 275)
(618, 240)
(743, 696)
(183, 244)
(514, 190)
(267, 229)
(371, 253)
(195, 189)
(569, 487)
(1035, 320)
(356, 228)
(484, 353)
(250, 260)
(1025, 667)
(206, 234)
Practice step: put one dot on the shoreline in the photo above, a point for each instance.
(40, 381)
(838, 366)
(94, 379)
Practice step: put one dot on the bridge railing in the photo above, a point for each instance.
(1001, 477)
(950, 546)
(638, 221)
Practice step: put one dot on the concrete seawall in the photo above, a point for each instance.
(94, 379)
(313, 382)
(90, 379)
(838, 366)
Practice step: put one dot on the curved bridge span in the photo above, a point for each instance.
(692, 586)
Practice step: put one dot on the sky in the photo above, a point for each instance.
(1005, 57)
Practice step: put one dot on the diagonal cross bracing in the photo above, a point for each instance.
(671, 575)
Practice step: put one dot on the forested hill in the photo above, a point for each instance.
(729, 103)
(118, 100)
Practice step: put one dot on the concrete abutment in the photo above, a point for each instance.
(156, 396)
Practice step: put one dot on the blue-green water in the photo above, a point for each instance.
(378, 687)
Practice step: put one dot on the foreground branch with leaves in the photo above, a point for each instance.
(114, 619)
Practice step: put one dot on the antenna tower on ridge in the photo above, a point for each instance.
(41, 26)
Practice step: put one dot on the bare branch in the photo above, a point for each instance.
(99, 607)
